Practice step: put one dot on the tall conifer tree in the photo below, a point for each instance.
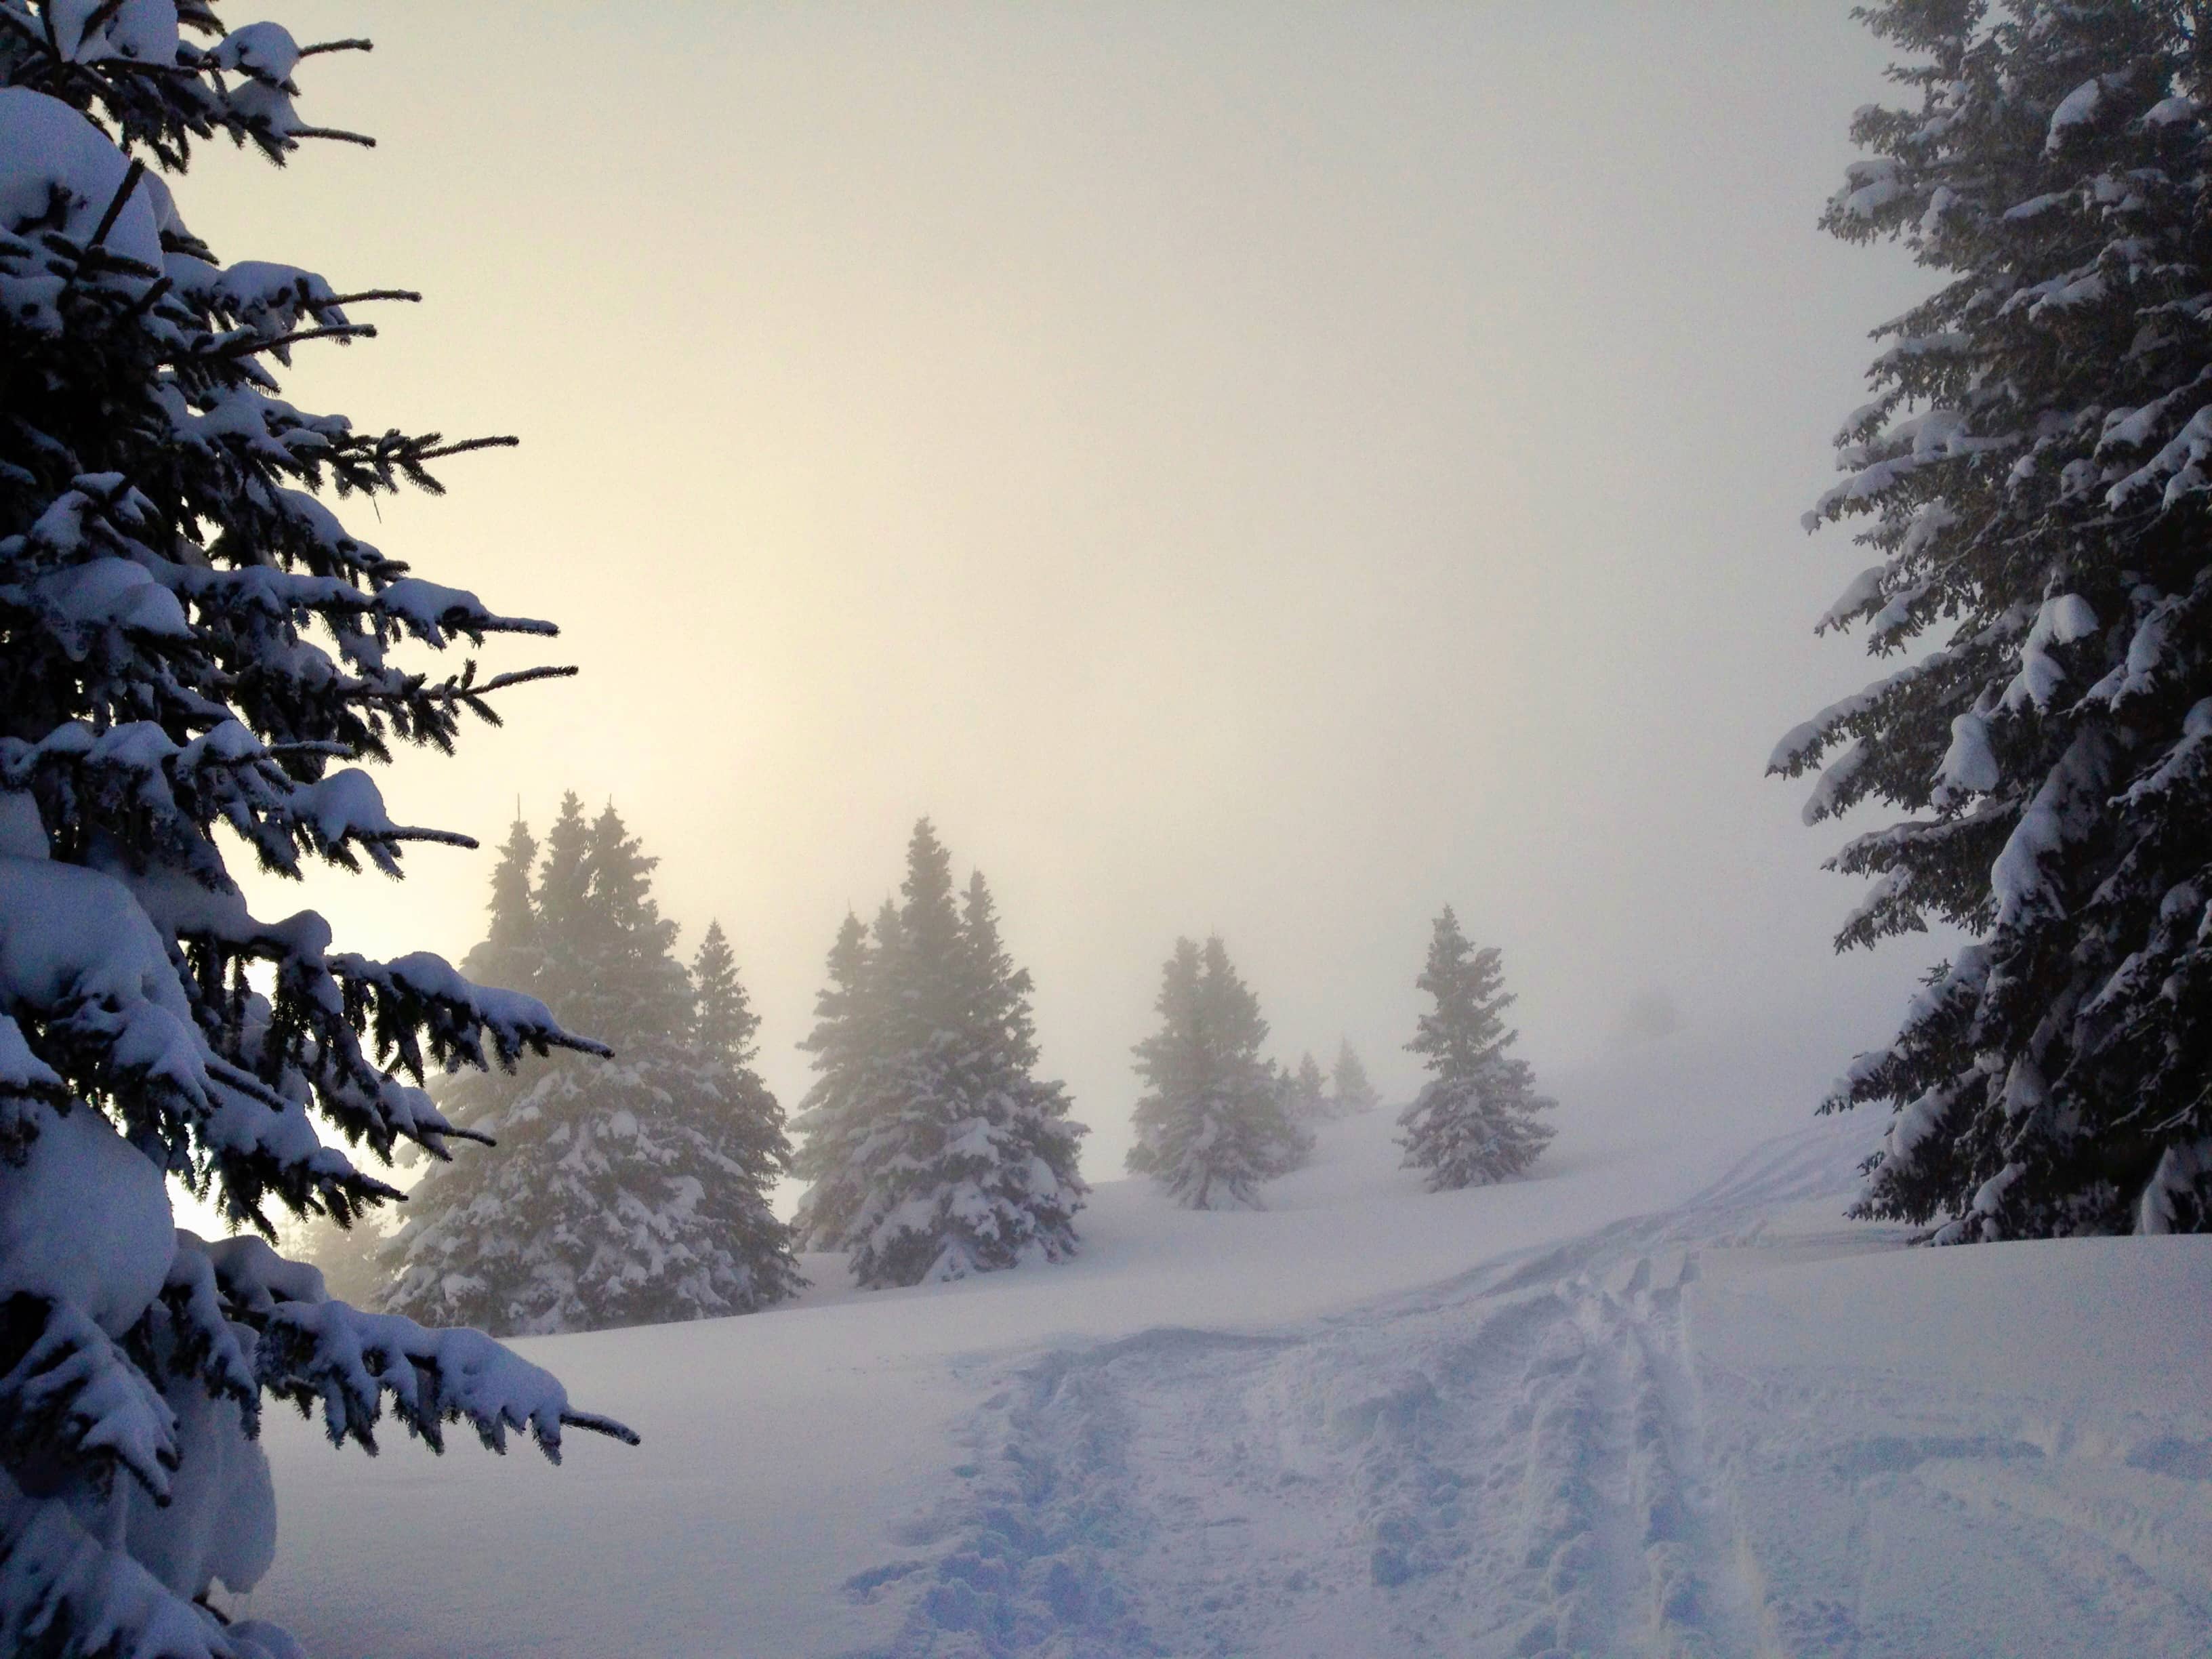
(941, 1154)
(619, 1195)
(190, 637)
(1213, 1125)
(742, 1146)
(2034, 473)
(832, 1122)
(509, 957)
(1475, 1119)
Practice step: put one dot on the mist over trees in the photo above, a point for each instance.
(1214, 1123)
(933, 1149)
(1354, 1095)
(2032, 478)
(1306, 1093)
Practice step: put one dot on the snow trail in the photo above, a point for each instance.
(1366, 1421)
(1541, 1457)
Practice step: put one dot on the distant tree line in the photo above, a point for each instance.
(640, 1190)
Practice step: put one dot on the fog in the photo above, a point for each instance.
(1267, 469)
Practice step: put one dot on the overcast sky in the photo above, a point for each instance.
(1262, 468)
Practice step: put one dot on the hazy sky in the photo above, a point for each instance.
(1264, 468)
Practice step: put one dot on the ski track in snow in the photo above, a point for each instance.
(1533, 1459)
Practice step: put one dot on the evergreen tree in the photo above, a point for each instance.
(1213, 1124)
(509, 957)
(619, 1195)
(188, 637)
(723, 1022)
(1309, 1101)
(1474, 1121)
(1175, 1062)
(745, 1149)
(1354, 1094)
(941, 1154)
(2034, 473)
(832, 1120)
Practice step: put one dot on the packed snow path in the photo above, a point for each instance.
(1537, 1458)
(1735, 1425)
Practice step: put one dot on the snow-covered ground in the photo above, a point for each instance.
(1659, 1400)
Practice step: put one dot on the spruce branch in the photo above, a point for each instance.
(156, 293)
(339, 133)
(598, 1424)
(440, 837)
(464, 446)
(99, 18)
(525, 675)
(236, 349)
(131, 176)
(369, 294)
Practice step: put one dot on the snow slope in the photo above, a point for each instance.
(1659, 1400)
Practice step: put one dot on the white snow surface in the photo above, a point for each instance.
(1657, 1398)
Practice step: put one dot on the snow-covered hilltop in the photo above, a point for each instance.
(1643, 1402)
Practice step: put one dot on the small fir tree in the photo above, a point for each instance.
(940, 1153)
(2034, 473)
(620, 1195)
(190, 637)
(1213, 1125)
(1348, 1083)
(1474, 1121)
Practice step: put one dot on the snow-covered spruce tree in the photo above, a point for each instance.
(2034, 473)
(1474, 1121)
(189, 637)
(1352, 1091)
(1213, 1125)
(946, 1156)
(622, 1193)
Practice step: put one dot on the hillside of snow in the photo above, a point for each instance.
(1659, 1398)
